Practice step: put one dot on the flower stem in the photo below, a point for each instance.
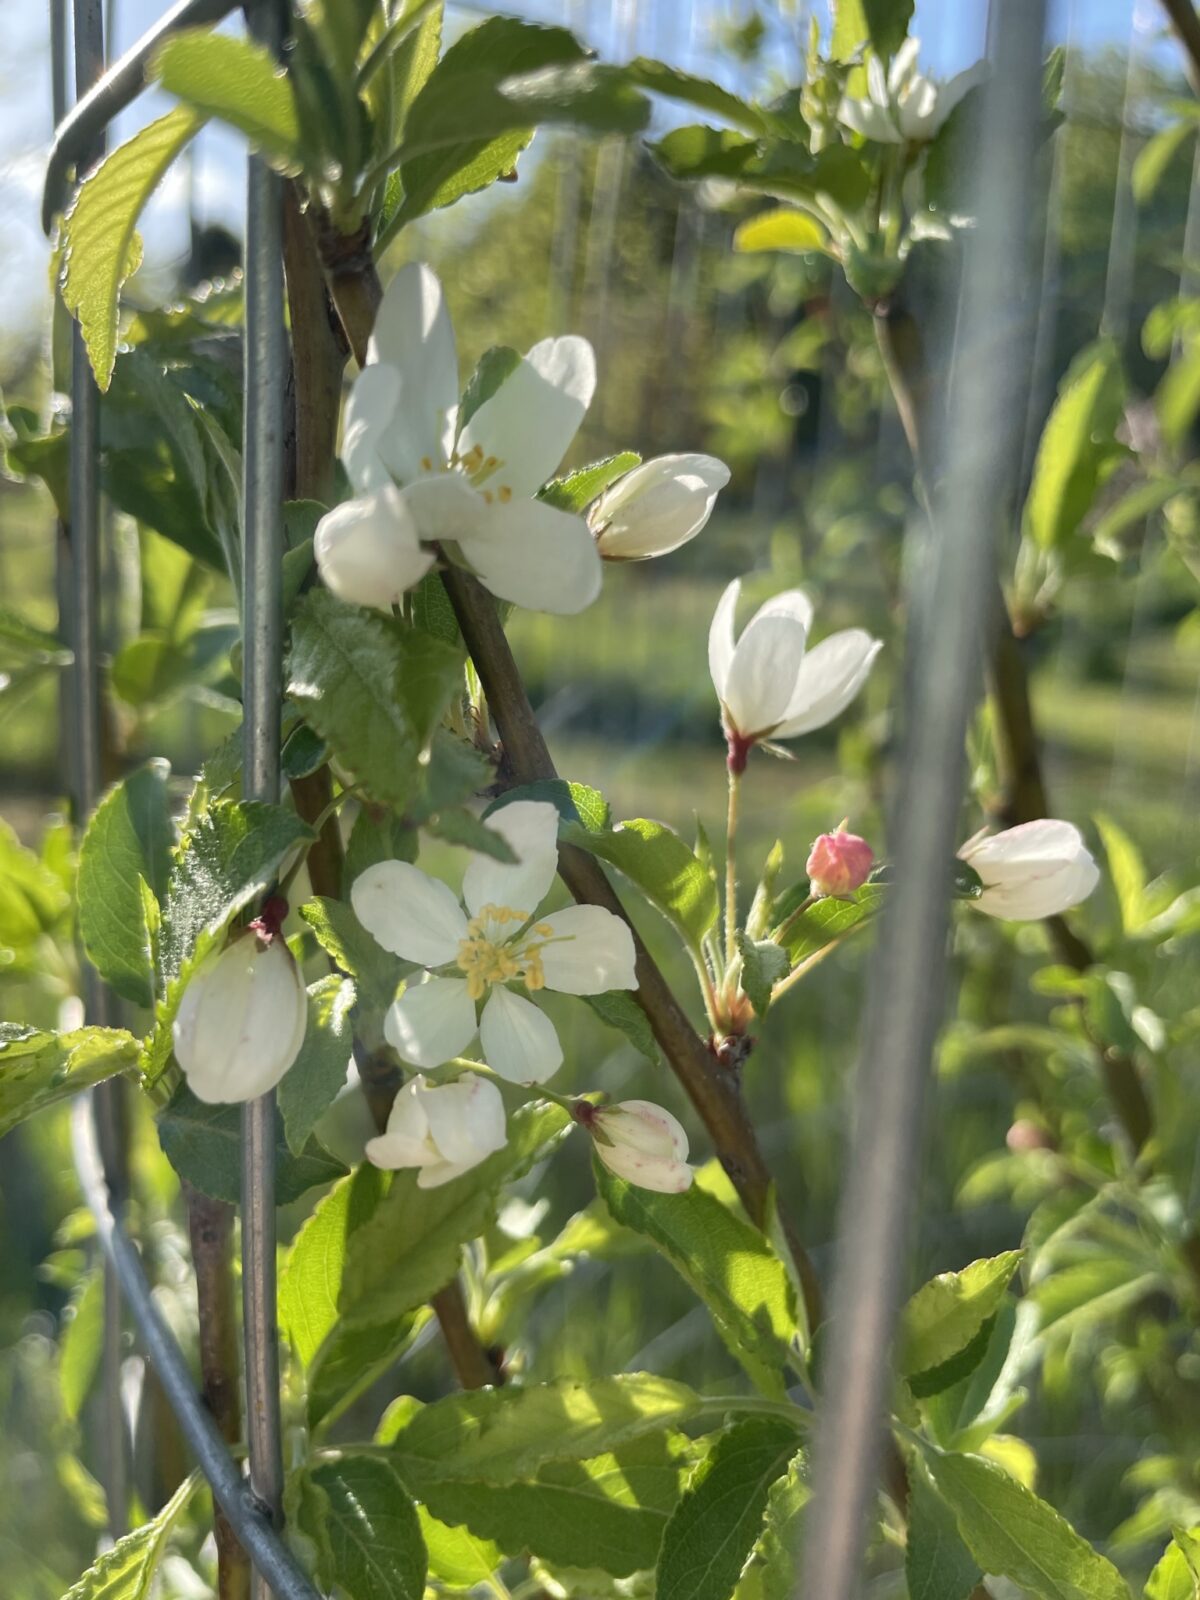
(814, 960)
(785, 927)
(731, 827)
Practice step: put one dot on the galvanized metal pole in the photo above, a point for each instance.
(87, 739)
(262, 636)
(951, 613)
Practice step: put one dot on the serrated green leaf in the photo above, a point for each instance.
(607, 1512)
(494, 366)
(38, 1069)
(574, 802)
(410, 1246)
(504, 1436)
(660, 78)
(619, 1009)
(318, 1074)
(720, 1516)
(458, 1559)
(1176, 1574)
(367, 1534)
(763, 964)
(771, 1572)
(127, 843)
(1077, 440)
(1013, 1534)
(887, 24)
(948, 1312)
(432, 612)
(828, 919)
(81, 1343)
(576, 490)
(126, 1571)
(236, 80)
(204, 1145)
(98, 231)
(728, 1263)
(937, 1565)
(310, 1284)
(457, 825)
(655, 859)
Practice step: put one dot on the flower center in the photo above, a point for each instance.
(500, 948)
(478, 469)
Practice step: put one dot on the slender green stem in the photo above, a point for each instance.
(731, 827)
(785, 927)
(541, 1092)
(814, 960)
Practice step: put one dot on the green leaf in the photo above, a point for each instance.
(342, 936)
(127, 843)
(317, 1075)
(310, 1283)
(700, 152)
(1177, 398)
(462, 157)
(410, 1247)
(126, 1570)
(377, 836)
(655, 859)
(607, 1512)
(781, 229)
(948, 1313)
(719, 1519)
(1156, 155)
(432, 611)
(575, 802)
(32, 900)
(375, 692)
(728, 1263)
(504, 1436)
(576, 490)
(619, 1009)
(1013, 1534)
(887, 23)
(365, 1529)
(1176, 1575)
(457, 1558)
(236, 80)
(828, 919)
(97, 245)
(457, 825)
(204, 1145)
(776, 1559)
(81, 1343)
(763, 964)
(1078, 439)
(352, 1359)
(702, 93)
(494, 366)
(1126, 870)
(849, 29)
(39, 1069)
(937, 1565)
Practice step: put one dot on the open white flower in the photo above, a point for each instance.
(770, 685)
(477, 958)
(464, 484)
(643, 1144)
(241, 1020)
(1035, 870)
(657, 507)
(444, 1130)
(902, 105)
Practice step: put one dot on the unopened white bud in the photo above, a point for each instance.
(368, 551)
(241, 1021)
(443, 1130)
(657, 507)
(1036, 870)
(643, 1144)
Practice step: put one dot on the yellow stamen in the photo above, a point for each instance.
(426, 464)
(505, 494)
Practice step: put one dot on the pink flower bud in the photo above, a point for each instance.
(641, 1143)
(838, 863)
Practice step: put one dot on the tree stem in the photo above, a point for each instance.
(210, 1227)
(1186, 23)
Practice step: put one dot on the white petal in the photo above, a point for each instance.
(1035, 870)
(919, 113)
(241, 1021)
(955, 89)
(369, 412)
(877, 84)
(444, 508)
(903, 64)
(368, 552)
(597, 954)
(413, 335)
(466, 1119)
(534, 555)
(830, 676)
(518, 1040)
(530, 828)
(528, 424)
(657, 507)
(793, 603)
(720, 637)
(1048, 839)
(409, 913)
(872, 121)
(431, 1022)
(763, 674)
(405, 1142)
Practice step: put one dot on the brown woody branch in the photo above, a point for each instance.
(715, 1093)
(1186, 23)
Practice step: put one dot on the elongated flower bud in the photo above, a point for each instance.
(641, 1143)
(657, 507)
(242, 1018)
(1035, 870)
(838, 863)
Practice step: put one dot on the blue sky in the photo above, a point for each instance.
(683, 31)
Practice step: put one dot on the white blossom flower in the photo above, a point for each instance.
(477, 958)
(643, 1144)
(770, 685)
(241, 1020)
(464, 485)
(1032, 871)
(902, 105)
(444, 1130)
(657, 507)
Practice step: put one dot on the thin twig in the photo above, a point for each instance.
(1186, 23)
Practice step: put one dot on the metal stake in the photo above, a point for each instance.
(950, 615)
(262, 635)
